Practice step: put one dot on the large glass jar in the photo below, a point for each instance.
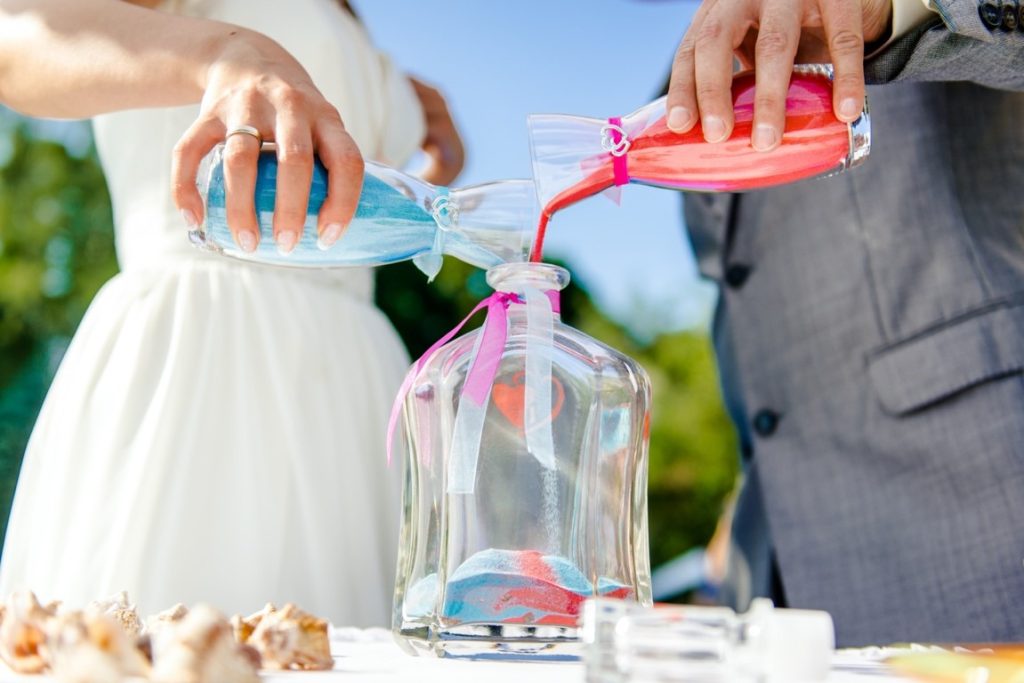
(501, 567)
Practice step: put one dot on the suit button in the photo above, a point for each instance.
(991, 14)
(766, 421)
(736, 275)
(1010, 16)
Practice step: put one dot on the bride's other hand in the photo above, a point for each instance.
(255, 82)
(442, 143)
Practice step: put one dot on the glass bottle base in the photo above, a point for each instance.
(492, 641)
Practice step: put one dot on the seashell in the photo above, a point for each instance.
(92, 647)
(199, 648)
(23, 633)
(244, 626)
(289, 638)
(120, 610)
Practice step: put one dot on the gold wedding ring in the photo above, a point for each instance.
(245, 130)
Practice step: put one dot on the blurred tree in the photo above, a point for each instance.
(56, 243)
(56, 250)
(693, 465)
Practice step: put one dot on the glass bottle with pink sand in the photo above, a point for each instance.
(523, 503)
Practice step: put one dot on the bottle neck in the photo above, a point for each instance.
(519, 277)
(517, 312)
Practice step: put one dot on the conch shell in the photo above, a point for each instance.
(287, 638)
(201, 648)
(92, 647)
(120, 610)
(23, 633)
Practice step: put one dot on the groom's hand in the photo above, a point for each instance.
(769, 35)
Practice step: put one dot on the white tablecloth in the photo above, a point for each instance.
(373, 657)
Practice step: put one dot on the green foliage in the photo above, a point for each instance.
(20, 400)
(56, 250)
(693, 444)
(56, 245)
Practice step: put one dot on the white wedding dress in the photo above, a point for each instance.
(216, 430)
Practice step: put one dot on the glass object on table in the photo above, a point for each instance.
(517, 510)
(630, 643)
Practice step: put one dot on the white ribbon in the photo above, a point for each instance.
(538, 422)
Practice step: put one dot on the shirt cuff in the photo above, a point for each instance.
(906, 16)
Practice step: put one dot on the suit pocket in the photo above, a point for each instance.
(949, 358)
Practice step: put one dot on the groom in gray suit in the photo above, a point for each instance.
(870, 329)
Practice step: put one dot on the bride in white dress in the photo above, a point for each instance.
(216, 430)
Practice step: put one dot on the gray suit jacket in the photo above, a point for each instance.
(870, 334)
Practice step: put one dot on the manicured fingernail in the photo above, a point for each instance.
(330, 235)
(286, 240)
(678, 117)
(849, 108)
(190, 219)
(765, 137)
(247, 240)
(714, 129)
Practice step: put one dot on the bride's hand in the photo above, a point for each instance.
(254, 82)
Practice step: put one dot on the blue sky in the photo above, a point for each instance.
(499, 61)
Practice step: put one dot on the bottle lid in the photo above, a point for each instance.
(796, 645)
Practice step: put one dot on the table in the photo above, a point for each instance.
(371, 656)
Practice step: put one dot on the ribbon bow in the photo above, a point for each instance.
(616, 142)
(445, 213)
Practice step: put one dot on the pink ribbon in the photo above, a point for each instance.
(620, 166)
(484, 367)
